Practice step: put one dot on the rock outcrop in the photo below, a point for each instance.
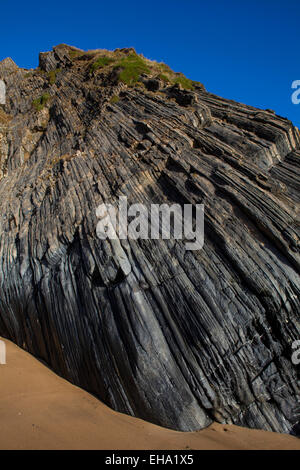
(180, 338)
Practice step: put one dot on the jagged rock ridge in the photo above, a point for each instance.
(186, 337)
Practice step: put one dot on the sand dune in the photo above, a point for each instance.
(40, 410)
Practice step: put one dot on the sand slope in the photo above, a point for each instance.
(40, 410)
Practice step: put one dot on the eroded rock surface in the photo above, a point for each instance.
(182, 337)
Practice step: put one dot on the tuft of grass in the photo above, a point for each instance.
(164, 78)
(73, 54)
(40, 102)
(114, 99)
(52, 75)
(184, 82)
(101, 62)
(131, 68)
(164, 68)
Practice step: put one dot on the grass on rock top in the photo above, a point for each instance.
(184, 82)
(74, 53)
(100, 63)
(131, 66)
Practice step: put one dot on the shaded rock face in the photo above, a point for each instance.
(183, 337)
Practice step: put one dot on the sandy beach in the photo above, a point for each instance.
(40, 410)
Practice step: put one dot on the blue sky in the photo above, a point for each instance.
(239, 49)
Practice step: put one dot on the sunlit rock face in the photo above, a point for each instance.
(179, 337)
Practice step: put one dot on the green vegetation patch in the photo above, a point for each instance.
(101, 62)
(164, 78)
(132, 66)
(73, 54)
(114, 99)
(52, 75)
(40, 102)
(165, 68)
(184, 82)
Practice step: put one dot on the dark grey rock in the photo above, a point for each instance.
(181, 338)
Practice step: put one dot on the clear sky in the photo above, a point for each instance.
(239, 49)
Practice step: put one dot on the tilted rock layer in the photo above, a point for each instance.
(182, 337)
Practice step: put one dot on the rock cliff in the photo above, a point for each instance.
(180, 338)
